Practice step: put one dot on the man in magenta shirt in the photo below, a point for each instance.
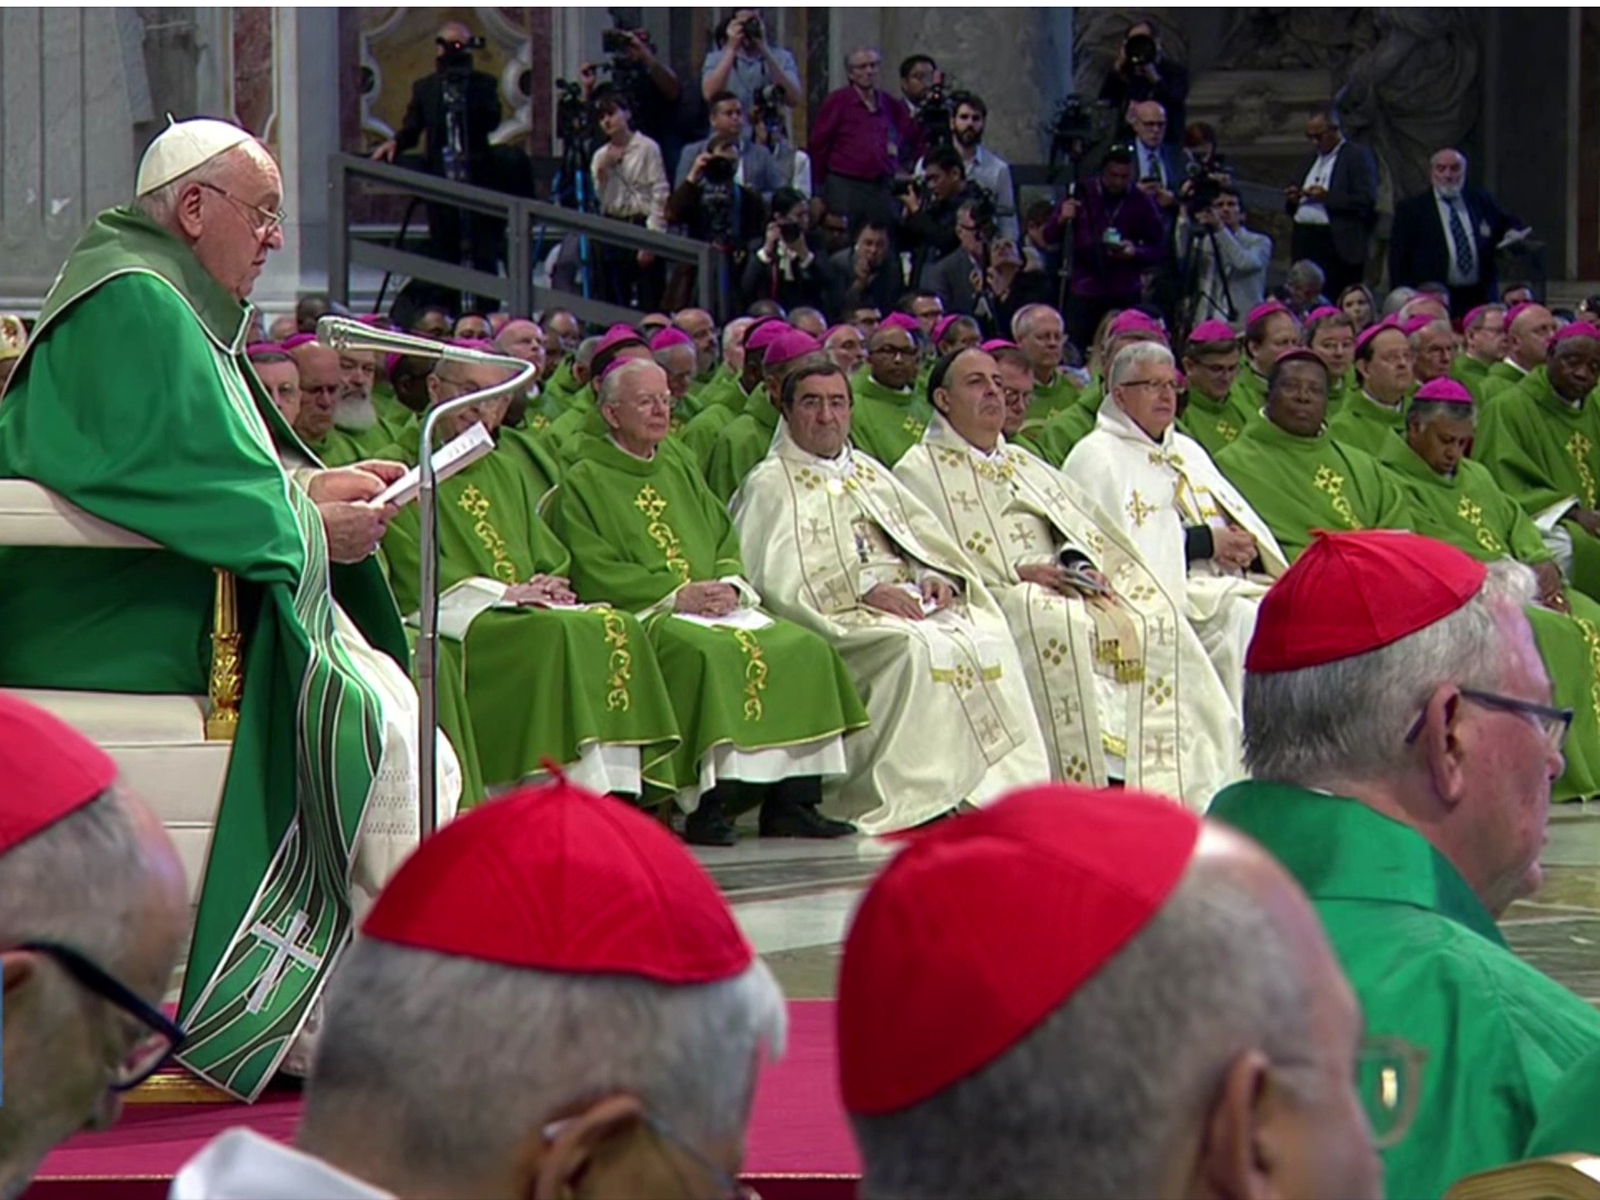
(860, 138)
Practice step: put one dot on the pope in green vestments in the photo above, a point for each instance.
(544, 680)
(1429, 966)
(756, 699)
(321, 793)
(1541, 442)
(1296, 477)
(1457, 501)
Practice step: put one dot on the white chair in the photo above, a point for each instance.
(172, 750)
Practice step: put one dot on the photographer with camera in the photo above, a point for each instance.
(457, 108)
(1117, 239)
(744, 62)
(861, 137)
(983, 276)
(653, 91)
(769, 127)
(928, 227)
(757, 170)
(1227, 272)
(712, 206)
(788, 265)
(1143, 72)
(968, 116)
(866, 274)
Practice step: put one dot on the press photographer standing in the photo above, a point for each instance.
(788, 264)
(1214, 235)
(745, 62)
(457, 107)
(713, 207)
(1143, 72)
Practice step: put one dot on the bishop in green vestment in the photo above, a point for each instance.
(545, 680)
(320, 798)
(1068, 426)
(1211, 364)
(1411, 808)
(1541, 442)
(1040, 335)
(1376, 415)
(1457, 501)
(1484, 330)
(756, 699)
(1529, 328)
(1296, 477)
(890, 414)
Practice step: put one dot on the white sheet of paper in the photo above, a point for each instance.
(449, 458)
(739, 618)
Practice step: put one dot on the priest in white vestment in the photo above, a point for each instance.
(1191, 526)
(837, 545)
(1121, 683)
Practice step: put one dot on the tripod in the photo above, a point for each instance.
(572, 187)
(1189, 305)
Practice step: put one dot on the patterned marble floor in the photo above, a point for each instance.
(794, 901)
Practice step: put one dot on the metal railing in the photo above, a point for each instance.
(527, 222)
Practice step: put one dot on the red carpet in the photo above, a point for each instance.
(799, 1144)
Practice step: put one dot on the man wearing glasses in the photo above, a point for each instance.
(84, 969)
(890, 412)
(1399, 728)
(1095, 993)
(551, 999)
(135, 401)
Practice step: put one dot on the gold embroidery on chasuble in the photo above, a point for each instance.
(913, 426)
(476, 505)
(1578, 448)
(1139, 509)
(1472, 514)
(619, 663)
(650, 503)
(1591, 642)
(1227, 431)
(1330, 481)
(755, 673)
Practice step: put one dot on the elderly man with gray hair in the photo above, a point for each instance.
(84, 969)
(1097, 994)
(1207, 547)
(551, 999)
(1401, 735)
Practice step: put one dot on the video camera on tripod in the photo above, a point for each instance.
(935, 115)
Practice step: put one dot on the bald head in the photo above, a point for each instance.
(1149, 121)
(521, 338)
(321, 382)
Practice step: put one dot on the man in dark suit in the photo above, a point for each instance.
(1335, 205)
(866, 275)
(458, 108)
(982, 277)
(1159, 166)
(1449, 233)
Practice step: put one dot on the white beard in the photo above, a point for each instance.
(1449, 193)
(355, 415)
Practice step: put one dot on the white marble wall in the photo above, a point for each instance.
(67, 112)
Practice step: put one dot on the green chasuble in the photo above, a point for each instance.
(187, 456)
(541, 682)
(529, 451)
(1469, 511)
(340, 448)
(1366, 424)
(1471, 374)
(1212, 423)
(1545, 454)
(1502, 376)
(722, 390)
(392, 414)
(1050, 398)
(699, 434)
(561, 386)
(1569, 1118)
(1248, 394)
(885, 423)
(1299, 484)
(582, 418)
(638, 531)
(1055, 439)
(740, 444)
(1340, 392)
(1429, 966)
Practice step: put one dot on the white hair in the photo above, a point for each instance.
(440, 1066)
(1131, 358)
(1347, 720)
(663, 356)
(1398, 299)
(1421, 412)
(1099, 1097)
(586, 349)
(611, 383)
(1022, 319)
(161, 205)
(1431, 327)
(733, 332)
(1306, 271)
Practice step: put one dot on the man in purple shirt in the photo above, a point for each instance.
(1117, 237)
(861, 136)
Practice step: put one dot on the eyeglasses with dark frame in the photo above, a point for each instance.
(1554, 723)
(148, 1053)
(266, 219)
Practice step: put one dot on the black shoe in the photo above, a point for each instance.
(708, 826)
(794, 821)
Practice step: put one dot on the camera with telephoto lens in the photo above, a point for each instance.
(1203, 187)
(1140, 50)
(934, 116)
(719, 170)
(789, 231)
(457, 54)
(752, 30)
(575, 119)
(617, 41)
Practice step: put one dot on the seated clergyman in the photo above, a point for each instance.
(546, 680)
(1119, 679)
(1295, 475)
(838, 545)
(758, 701)
(1203, 541)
